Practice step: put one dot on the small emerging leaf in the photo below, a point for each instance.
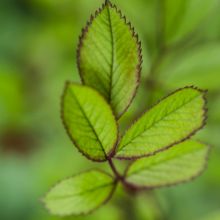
(175, 165)
(173, 120)
(109, 57)
(80, 194)
(89, 121)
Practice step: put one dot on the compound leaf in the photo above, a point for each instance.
(109, 57)
(171, 121)
(89, 121)
(80, 194)
(179, 164)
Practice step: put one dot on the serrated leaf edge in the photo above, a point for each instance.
(205, 110)
(135, 36)
(112, 153)
(114, 183)
(172, 184)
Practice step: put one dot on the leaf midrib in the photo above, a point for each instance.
(158, 121)
(81, 193)
(164, 160)
(89, 122)
(112, 54)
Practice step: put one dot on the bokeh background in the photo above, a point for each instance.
(38, 39)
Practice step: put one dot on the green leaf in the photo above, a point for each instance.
(109, 57)
(89, 121)
(80, 194)
(181, 163)
(174, 119)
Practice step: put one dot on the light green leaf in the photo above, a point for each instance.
(109, 57)
(89, 121)
(171, 121)
(199, 66)
(183, 17)
(80, 194)
(181, 163)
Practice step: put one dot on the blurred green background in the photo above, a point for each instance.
(38, 39)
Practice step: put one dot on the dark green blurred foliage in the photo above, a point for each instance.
(38, 39)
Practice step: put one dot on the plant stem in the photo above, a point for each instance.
(117, 174)
(121, 178)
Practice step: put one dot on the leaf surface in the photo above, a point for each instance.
(175, 165)
(80, 194)
(89, 121)
(109, 57)
(174, 119)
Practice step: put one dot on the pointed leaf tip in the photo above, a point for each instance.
(109, 57)
(173, 120)
(80, 194)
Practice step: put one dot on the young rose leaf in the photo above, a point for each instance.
(109, 57)
(179, 164)
(89, 121)
(80, 194)
(171, 121)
